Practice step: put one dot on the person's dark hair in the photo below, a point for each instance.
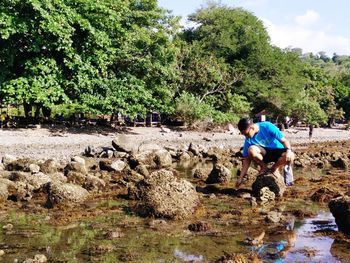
(243, 124)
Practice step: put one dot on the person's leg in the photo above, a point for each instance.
(256, 154)
(281, 162)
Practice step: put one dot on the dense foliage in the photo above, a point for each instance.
(131, 57)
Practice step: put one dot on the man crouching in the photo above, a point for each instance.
(264, 143)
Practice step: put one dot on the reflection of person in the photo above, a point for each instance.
(291, 238)
(264, 143)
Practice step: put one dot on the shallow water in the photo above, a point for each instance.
(147, 240)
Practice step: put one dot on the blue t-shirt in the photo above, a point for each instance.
(268, 136)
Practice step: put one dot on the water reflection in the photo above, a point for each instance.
(187, 257)
(309, 247)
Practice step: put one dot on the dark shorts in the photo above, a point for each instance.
(272, 155)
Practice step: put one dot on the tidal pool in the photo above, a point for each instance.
(116, 234)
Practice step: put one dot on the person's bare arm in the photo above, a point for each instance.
(245, 167)
(289, 152)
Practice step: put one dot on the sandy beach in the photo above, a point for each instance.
(62, 143)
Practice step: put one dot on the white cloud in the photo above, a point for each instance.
(307, 19)
(307, 39)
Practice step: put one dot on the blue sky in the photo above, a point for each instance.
(313, 25)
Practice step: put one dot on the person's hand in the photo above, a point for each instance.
(289, 155)
(238, 182)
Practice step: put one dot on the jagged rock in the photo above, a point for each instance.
(65, 193)
(274, 183)
(340, 209)
(219, 174)
(164, 195)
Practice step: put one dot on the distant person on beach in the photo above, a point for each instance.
(264, 143)
(311, 130)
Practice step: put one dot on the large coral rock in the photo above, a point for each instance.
(274, 183)
(340, 209)
(164, 195)
(65, 193)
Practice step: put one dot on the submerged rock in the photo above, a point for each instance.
(340, 209)
(164, 195)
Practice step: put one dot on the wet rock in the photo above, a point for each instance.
(164, 195)
(324, 195)
(199, 227)
(340, 209)
(219, 174)
(65, 193)
(266, 195)
(273, 182)
(2, 252)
